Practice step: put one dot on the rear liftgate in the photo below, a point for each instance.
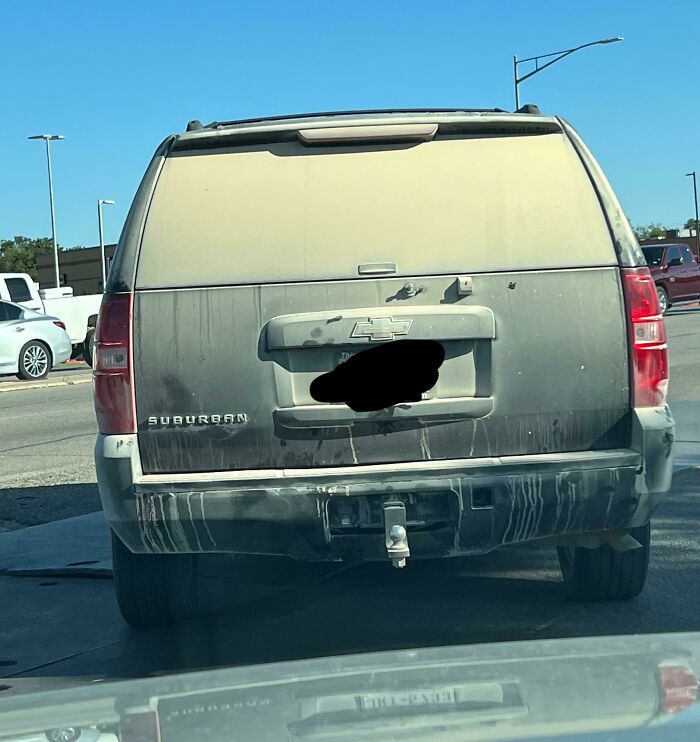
(347, 306)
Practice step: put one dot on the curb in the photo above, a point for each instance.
(17, 386)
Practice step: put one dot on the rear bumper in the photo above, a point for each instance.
(62, 350)
(468, 506)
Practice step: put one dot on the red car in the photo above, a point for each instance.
(675, 271)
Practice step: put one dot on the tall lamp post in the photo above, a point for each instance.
(50, 138)
(697, 223)
(100, 203)
(557, 56)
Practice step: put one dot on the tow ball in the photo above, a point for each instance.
(395, 535)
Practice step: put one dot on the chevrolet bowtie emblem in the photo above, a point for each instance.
(381, 328)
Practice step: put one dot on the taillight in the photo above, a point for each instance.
(112, 369)
(60, 324)
(678, 688)
(647, 334)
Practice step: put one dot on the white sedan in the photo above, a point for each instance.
(31, 343)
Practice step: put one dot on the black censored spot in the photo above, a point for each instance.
(377, 378)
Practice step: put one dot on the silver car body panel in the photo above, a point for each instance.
(14, 334)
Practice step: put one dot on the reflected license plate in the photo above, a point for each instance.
(417, 697)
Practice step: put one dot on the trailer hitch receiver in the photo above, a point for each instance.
(395, 535)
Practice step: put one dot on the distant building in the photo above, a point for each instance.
(79, 268)
(676, 237)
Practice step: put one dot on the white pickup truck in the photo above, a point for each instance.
(78, 313)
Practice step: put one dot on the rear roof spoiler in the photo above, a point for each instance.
(407, 126)
(349, 113)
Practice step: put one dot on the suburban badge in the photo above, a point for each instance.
(231, 418)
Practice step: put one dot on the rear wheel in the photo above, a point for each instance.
(89, 347)
(663, 299)
(34, 361)
(154, 589)
(605, 574)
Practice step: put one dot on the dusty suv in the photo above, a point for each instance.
(378, 336)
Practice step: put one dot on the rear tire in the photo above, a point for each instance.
(154, 589)
(605, 574)
(663, 299)
(89, 347)
(34, 361)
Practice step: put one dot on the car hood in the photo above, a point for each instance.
(500, 691)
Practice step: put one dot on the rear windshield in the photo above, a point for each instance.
(653, 255)
(283, 212)
(19, 291)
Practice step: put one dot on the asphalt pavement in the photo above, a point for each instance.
(65, 629)
(47, 472)
(684, 352)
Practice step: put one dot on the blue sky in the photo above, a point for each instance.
(116, 77)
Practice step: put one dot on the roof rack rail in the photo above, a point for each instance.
(358, 112)
(530, 108)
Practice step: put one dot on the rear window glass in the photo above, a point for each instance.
(284, 212)
(653, 255)
(9, 312)
(19, 291)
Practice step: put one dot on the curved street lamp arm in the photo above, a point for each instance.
(554, 54)
(557, 56)
(549, 64)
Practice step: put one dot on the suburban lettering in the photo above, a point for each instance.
(229, 418)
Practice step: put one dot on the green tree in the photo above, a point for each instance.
(650, 232)
(690, 224)
(19, 254)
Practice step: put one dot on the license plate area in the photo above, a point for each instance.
(345, 355)
(465, 372)
(365, 513)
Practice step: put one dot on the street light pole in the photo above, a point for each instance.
(697, 222)
(48, 138)
(100, 203)
(557, 56)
